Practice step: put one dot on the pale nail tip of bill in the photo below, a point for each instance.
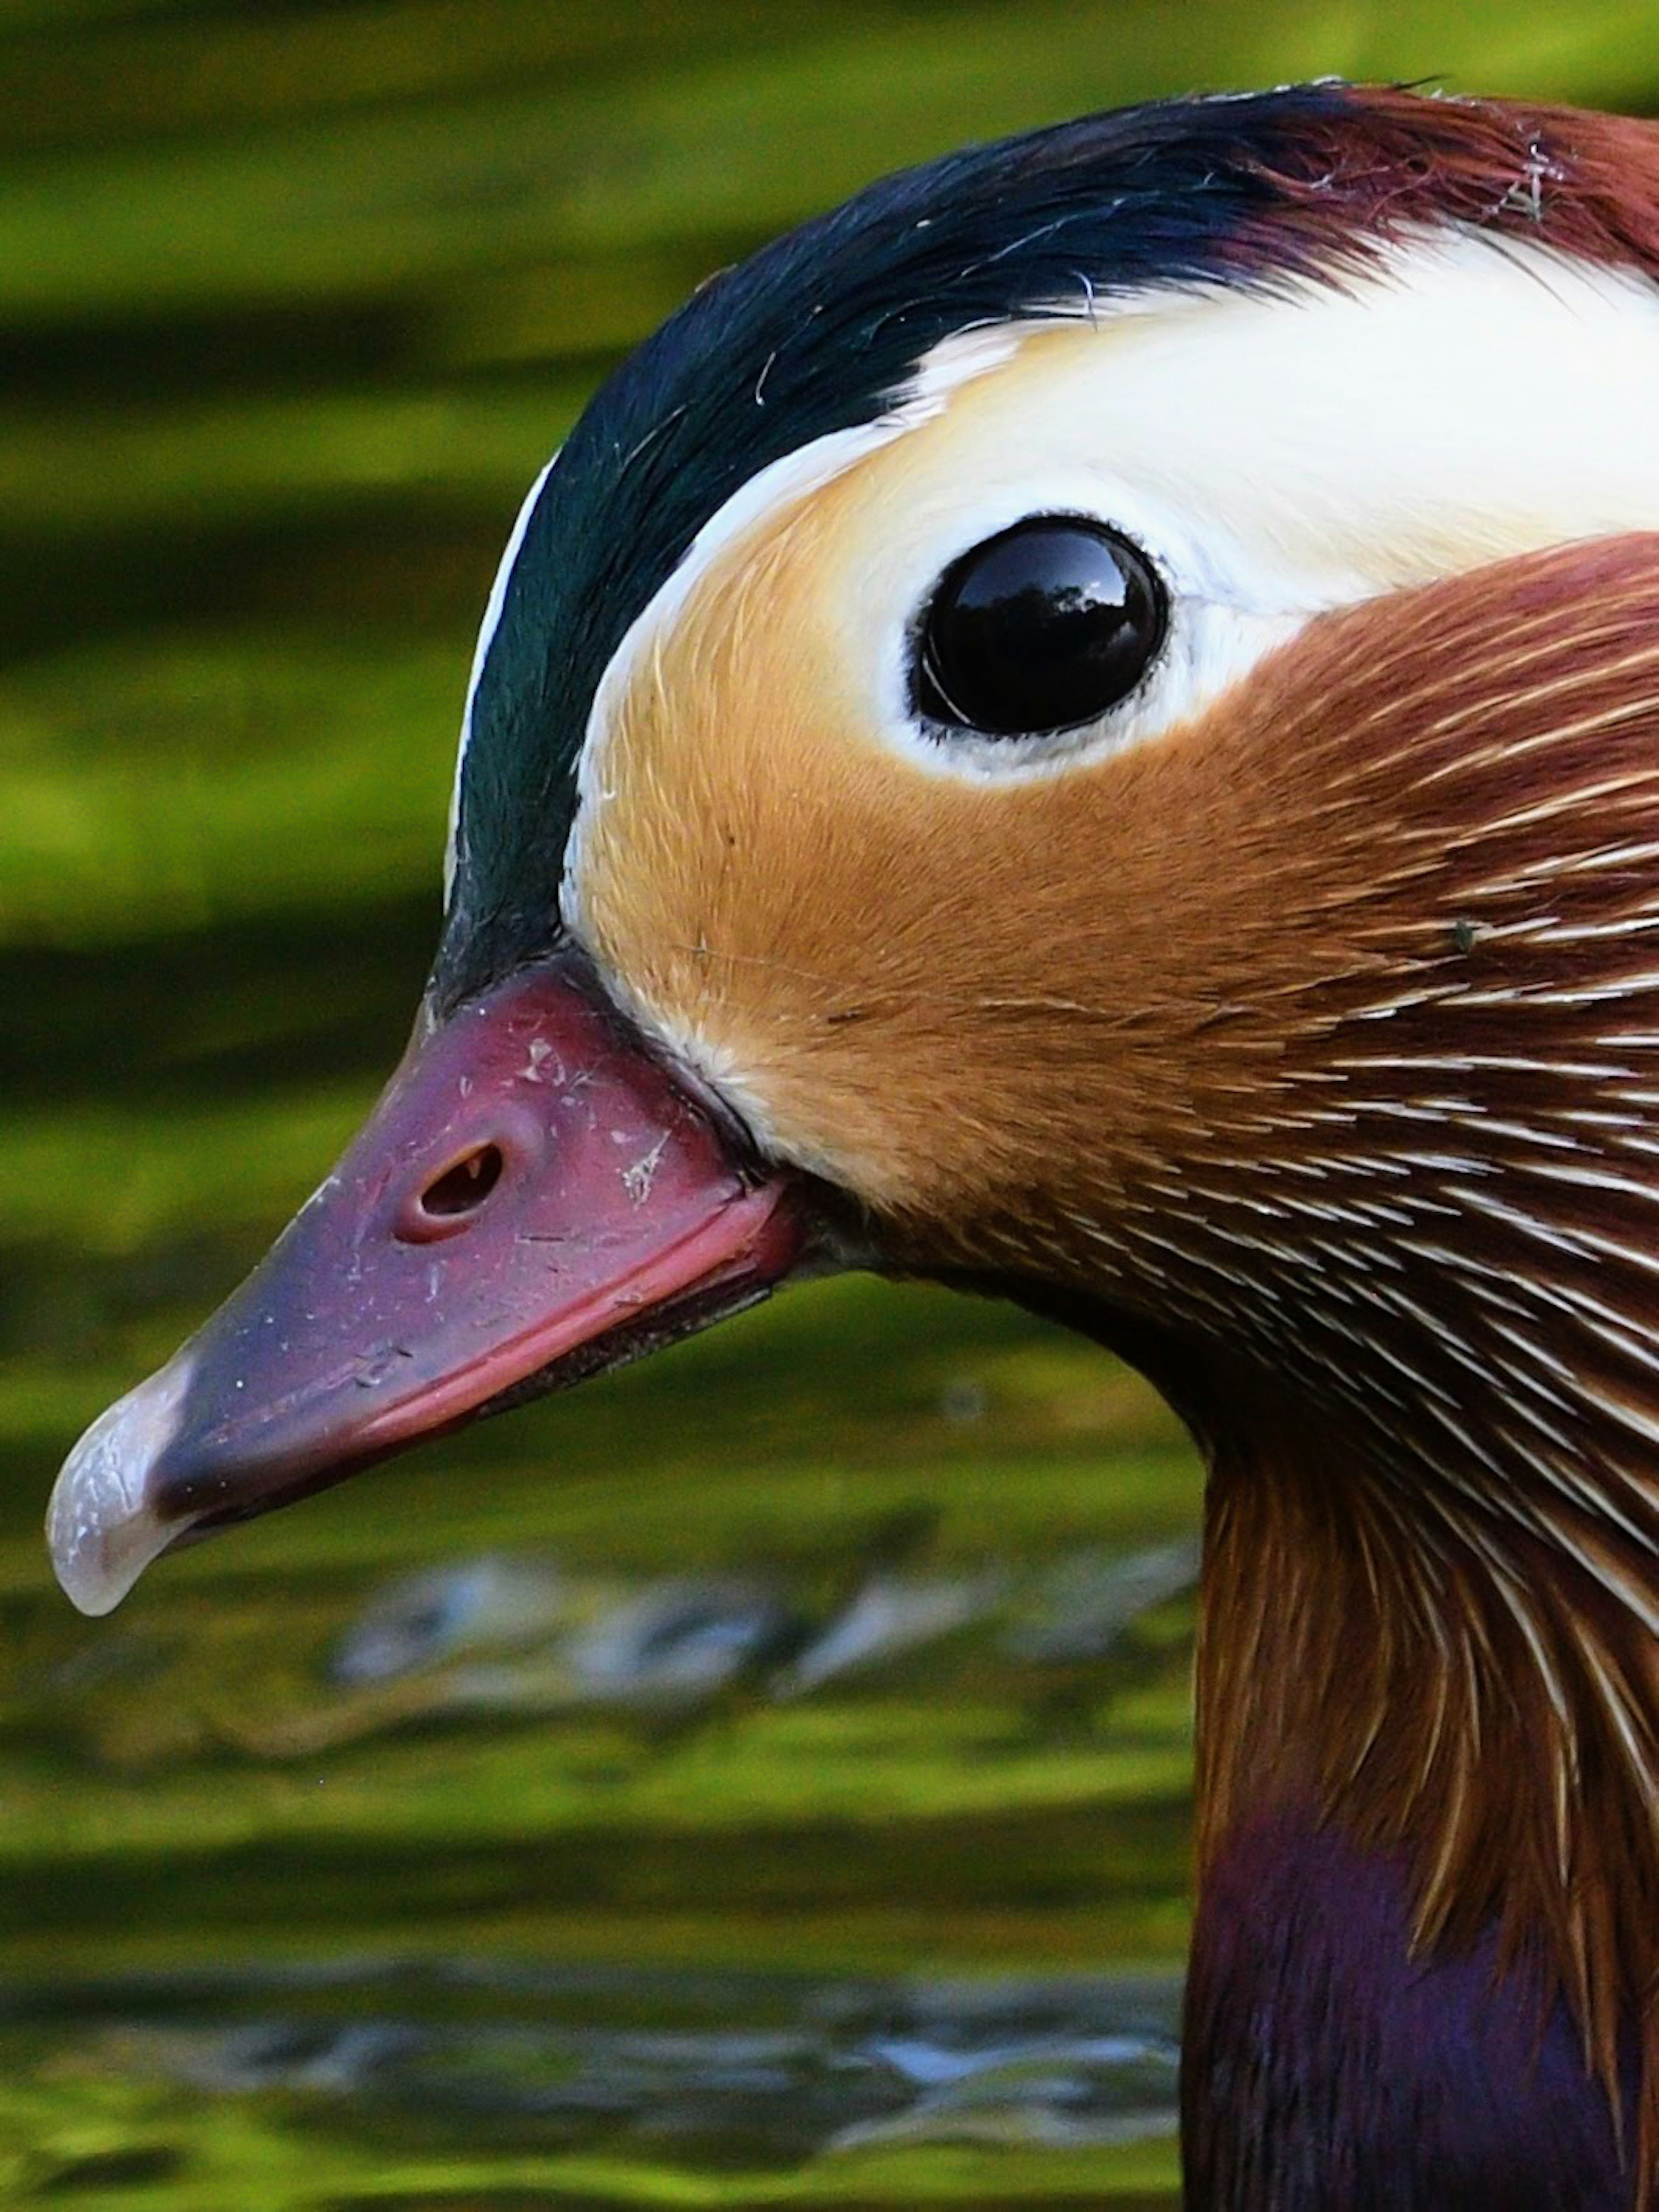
(101, 1529)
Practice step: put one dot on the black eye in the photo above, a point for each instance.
(1041, 628)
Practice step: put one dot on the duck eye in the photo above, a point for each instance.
(1041, 628)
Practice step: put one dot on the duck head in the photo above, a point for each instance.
(1086, 725)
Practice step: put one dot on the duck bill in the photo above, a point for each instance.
(534, 1198)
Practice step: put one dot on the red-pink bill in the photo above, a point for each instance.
(533, 1197)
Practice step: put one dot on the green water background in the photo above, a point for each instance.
(296, 301)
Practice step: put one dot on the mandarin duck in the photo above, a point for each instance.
(1087, 725)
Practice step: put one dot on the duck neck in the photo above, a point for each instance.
(1329, 2060)
(1426, 1937)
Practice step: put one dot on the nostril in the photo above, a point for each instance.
(447, 1194)
(464, 1185)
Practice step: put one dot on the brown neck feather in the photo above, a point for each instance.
(1441, 1684)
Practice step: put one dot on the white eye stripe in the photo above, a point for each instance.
(1274, 458)
(1315, 445)
(1275, 454)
